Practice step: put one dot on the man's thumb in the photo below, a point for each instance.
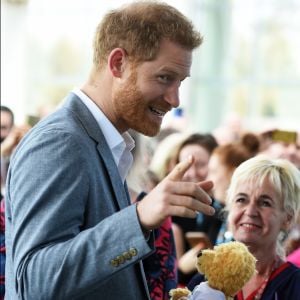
(179, 170)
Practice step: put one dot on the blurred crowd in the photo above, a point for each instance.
(216, 156)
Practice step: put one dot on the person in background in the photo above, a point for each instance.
(7, 124)
(224, 160)
(10, 137)
(262, 204)
(8, 146)
(164, 157)
(153, 159)
(2, 248)
(71, 231)
(200, 146)
(161, 266)
(222, 163)
(7, 121)
(282, 144)
(151, 143)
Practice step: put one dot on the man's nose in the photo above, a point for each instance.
(172, 95)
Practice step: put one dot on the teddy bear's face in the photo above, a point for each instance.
(227, 267)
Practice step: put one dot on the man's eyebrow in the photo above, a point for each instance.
(168, 70)
(173, 72)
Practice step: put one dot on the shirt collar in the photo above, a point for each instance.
(111, 134)
(118, 143)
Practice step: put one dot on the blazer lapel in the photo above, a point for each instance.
(114, 175)
(92, 128)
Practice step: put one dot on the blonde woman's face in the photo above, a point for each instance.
(256, 215)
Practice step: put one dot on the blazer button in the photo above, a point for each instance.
(114, 262)
(127, 255)
(120, 259)
(133, 251)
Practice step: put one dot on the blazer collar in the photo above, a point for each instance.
(74, 103)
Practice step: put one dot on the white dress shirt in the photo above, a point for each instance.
(120, 145)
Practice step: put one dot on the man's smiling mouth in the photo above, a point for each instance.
(157, 111)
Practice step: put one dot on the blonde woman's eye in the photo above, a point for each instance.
(239, 200)
(265, 203)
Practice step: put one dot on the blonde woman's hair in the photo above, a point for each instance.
(282, 174)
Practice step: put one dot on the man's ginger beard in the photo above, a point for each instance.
(131, 107)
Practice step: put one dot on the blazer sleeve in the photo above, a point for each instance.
(52, 253)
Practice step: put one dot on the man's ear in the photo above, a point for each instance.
(117, 61)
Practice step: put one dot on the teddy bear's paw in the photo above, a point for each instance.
(179, 294)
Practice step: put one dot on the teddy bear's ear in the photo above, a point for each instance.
(179, 293)
(205, 258)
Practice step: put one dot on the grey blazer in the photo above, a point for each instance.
(71, 232)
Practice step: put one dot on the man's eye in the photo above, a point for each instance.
(164, 78)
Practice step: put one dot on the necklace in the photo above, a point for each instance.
(262, 287)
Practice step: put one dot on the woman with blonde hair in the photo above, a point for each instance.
(263, 202)
(212, 230)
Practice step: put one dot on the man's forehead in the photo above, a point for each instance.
(174, 65)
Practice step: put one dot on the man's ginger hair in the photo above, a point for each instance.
(139, 28)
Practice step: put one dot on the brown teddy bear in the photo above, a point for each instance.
(227, 268)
